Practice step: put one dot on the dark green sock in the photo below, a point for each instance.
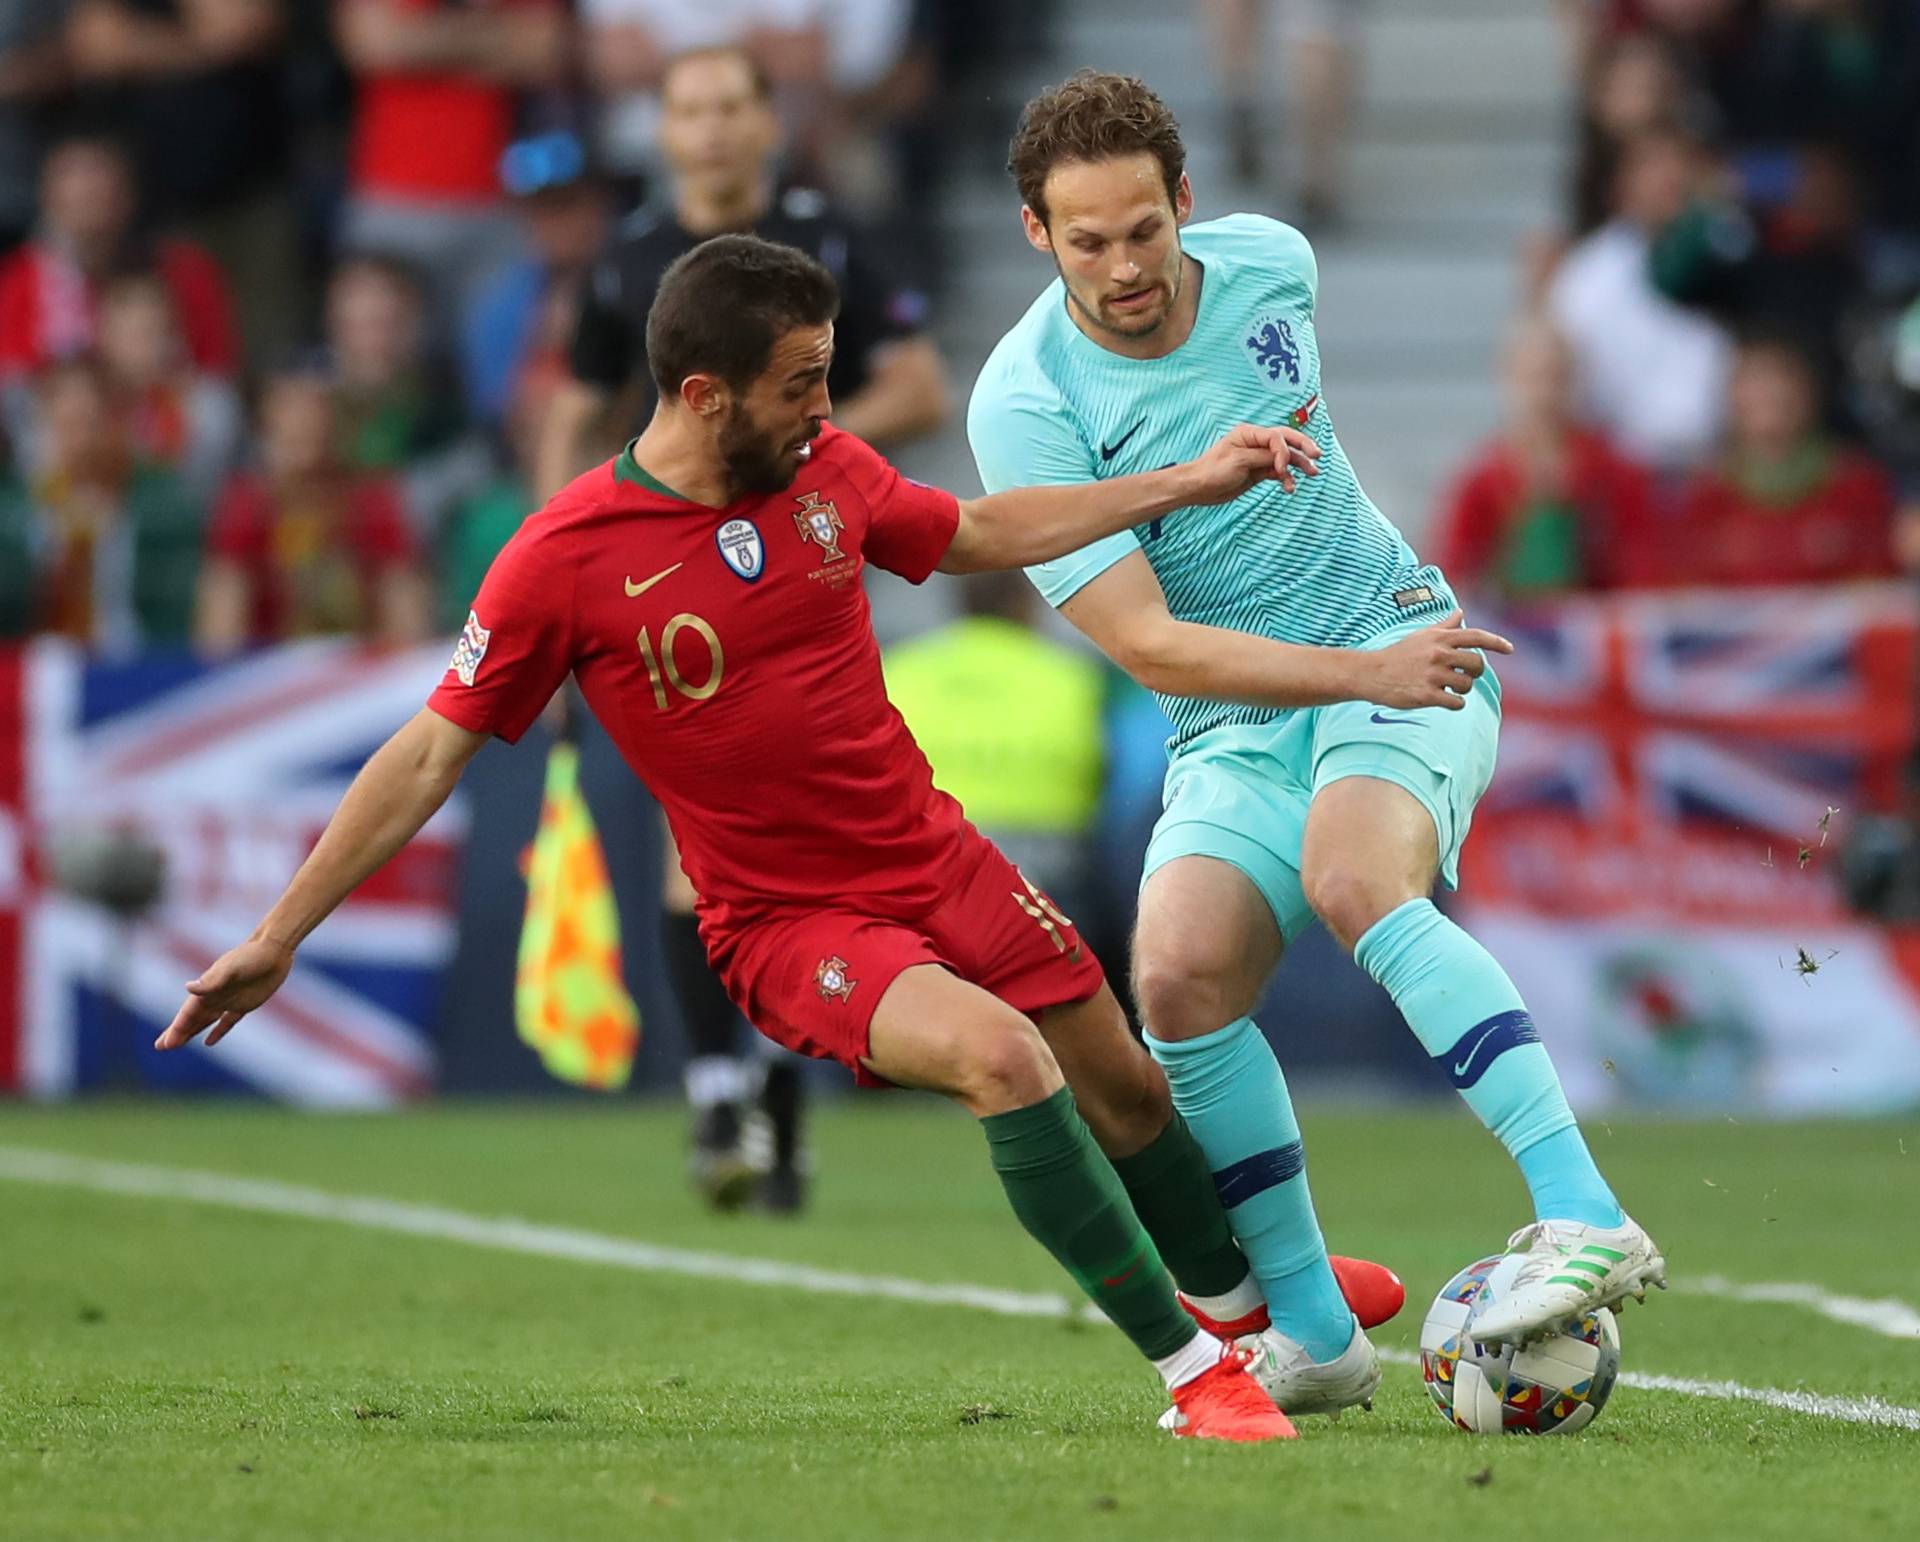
(1172, 1191)
(1068, 1197)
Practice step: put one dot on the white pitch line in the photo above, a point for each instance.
(507, 1234)
(1886, 1315)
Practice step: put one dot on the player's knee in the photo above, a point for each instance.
(1004, 1067)
(1348, 900)
(1185, 994)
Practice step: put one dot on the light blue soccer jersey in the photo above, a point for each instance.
(1320, 566)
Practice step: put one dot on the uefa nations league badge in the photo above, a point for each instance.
(741, 546)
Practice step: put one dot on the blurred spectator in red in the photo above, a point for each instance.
(630, 43)
(49, 288)
(174, 417)
(1546, 506)
(1784, 504)
(438, 83)
(523, 320)
(110, 546)
(399, 411)
(197, 91)
(1648, 371)
(33, 72)
(1633, 87)
(305, 546)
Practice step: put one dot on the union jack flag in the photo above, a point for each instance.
(1647, 739)
(1655, 863)
(228, 772)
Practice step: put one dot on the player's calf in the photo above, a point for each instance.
(933, 1030)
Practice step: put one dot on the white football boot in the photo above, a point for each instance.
(1568, 1270)
(1288, 1374)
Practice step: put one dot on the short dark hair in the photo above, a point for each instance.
(722, 308)
(757, 77)
(1092, 115)
(397, 270)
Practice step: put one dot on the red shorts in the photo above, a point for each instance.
(810, 982)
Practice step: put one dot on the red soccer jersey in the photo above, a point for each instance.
(730, 654)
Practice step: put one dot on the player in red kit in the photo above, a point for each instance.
(704, 589)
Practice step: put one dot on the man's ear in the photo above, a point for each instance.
(1183, 201)
(704, 395)
(1036, 229)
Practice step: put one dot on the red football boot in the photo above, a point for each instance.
(1226, 1403)
(1373, 1291)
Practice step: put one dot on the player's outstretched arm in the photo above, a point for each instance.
(1125, 612)
(395, 794)
(1026, 525)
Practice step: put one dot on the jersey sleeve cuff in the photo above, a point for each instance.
(1060, 580)
(457, 706)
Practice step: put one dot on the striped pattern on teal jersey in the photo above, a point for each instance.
(1320, 566)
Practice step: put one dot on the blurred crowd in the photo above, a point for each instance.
(1716, 380)
(288, 288)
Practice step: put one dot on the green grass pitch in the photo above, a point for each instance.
(175, 1369)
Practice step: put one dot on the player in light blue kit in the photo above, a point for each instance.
(1334, 722)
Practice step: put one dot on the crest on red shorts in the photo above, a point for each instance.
(833, 979)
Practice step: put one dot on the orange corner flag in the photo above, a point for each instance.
(569, 998)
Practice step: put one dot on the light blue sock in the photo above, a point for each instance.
(1465, 1011)
(1229, 1089)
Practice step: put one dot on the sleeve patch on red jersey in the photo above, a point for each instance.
(470, 649)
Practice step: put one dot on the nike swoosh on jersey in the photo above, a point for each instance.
(1108, 451)
(1393, 721)
(634, 591)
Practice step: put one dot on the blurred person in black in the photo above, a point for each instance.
(1790, 264)
(720, 137)
(197, 89)
(33, 74)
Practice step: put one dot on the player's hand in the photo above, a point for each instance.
(1251, 455)
(236, 983)
(1433, 667)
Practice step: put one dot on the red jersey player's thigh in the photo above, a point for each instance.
(934, 1030)
(1009, 938)
(812, 982)
(1122, 1093)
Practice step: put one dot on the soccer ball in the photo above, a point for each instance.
(1553, 1386)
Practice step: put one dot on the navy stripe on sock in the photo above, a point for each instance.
(1484, 1043)
(1258, 1173)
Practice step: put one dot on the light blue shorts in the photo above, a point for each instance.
(1240, 792)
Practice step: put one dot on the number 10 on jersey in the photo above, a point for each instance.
(663, 668)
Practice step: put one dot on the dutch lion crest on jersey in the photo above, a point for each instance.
(820, 523)
(1274, 352)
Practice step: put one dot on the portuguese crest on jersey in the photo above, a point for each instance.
(1273, 351)
(833, 980)
(742, 549)
(820, 523)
